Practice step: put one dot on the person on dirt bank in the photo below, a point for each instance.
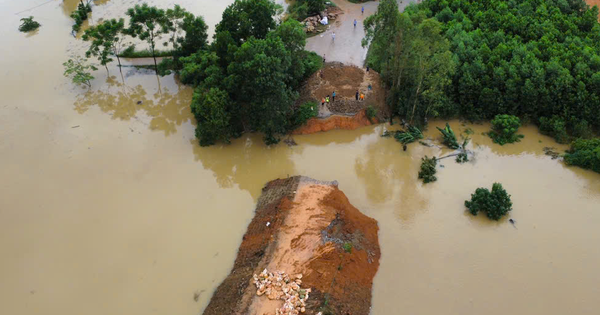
(323, 101)
(327, 100)
(333, 97)
(362, 96)
(357, 95)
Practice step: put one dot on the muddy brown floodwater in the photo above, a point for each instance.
(108, 206)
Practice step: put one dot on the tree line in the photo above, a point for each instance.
(536, 59)
(245, 80)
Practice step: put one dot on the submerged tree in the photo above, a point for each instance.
(427, 172)
(504, 129)
(495, 204)
(81, 14)
(147, 23)
(28, 25)
(105, 41)
(79, 72)
(449, 137)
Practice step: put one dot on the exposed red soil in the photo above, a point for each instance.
(315, 125)
(310, 224)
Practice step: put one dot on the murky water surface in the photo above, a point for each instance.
(108, 206)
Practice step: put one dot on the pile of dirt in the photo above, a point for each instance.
(304, 226)
(315, 125)
(345, 80)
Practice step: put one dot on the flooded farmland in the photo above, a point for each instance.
(109, 206)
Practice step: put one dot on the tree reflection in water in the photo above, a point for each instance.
(165, 109)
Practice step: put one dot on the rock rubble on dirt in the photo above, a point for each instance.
(280, 286)
(311, 22)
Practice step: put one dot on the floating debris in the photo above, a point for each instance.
(280, 286)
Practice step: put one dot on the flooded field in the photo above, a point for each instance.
(108, 206)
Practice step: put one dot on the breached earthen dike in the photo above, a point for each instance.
(304, 226)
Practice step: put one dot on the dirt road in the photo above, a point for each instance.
(346, 47)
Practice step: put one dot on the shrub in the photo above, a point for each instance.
(427, 172)
(585, 153)
(348, 247)
(554, 127)
(462, 158)
(504, 129)
(371, 112)
(28, 25)
(210, 109)
(80, 15)
(305, 112)
(582, 129)
(449, 137)
(495, 204)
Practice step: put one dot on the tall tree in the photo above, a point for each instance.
(105, 40)
(248, 18)
(147, 23)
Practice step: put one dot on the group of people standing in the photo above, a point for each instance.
(325, 100)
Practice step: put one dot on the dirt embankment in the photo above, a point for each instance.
(345, 80)
(315, 125)
(308, 227)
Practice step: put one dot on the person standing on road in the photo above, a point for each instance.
(333, 97)
(354, 23)
(362, 10)
(333, 36)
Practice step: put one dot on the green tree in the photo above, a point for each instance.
(428, 170)
(248, 18)
(495, 204)
(79, 72)
(147, 23)
(504, 129)
(257, 80)
(81, 14)
(105, 41)
(211, 109)
(585, 153)
(28, 25)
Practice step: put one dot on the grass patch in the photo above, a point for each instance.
(130, 52)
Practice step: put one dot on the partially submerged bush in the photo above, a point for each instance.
(427, 172)
(449, 137)
(405, 136)
(462, 157)
(504, 129)
(554, 127)
(371, 112)
(305, 112)
(80, 15)
(28, 25)
(495, 204)
(585, 153)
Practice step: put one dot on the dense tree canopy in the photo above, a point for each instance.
(537, 59)
(258, 64)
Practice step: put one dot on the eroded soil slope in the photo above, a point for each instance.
(308, 227)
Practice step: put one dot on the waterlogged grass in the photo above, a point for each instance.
(130, 52)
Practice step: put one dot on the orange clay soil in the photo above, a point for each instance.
(315, 125)
(313, 230)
